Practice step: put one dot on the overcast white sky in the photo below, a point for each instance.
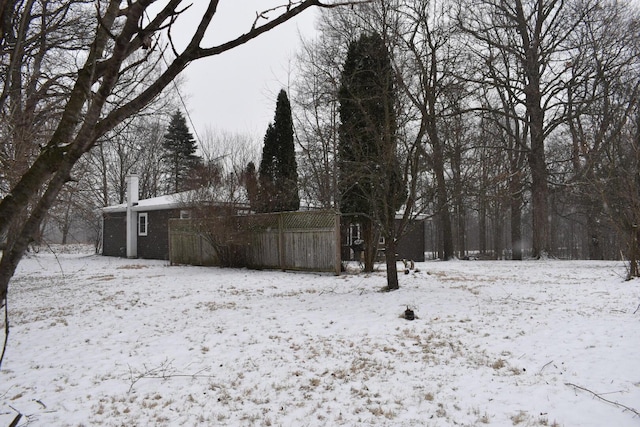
(236, 91)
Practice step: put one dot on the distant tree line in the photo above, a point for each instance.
(513, 127)
(516, 124)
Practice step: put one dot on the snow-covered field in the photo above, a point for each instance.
(117, 342)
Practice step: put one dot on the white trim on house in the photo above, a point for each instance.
(153, 204)
(132, 224)
(172, 201)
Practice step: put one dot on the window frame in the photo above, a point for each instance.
(143, 226)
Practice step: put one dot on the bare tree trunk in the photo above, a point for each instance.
(482, 224)
(595, 239)
(539, 187)
(461, 228)
(14, 253)
(7, 8)
(370, 244)
(459, 208)
(516, 229)
(392, 266)
(66, 220)
(498, 229)
(515, 208)
(444, 215)
(533, 68)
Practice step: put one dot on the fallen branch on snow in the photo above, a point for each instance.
(17, 419)
(163, 372)
(545, 365)
(599, 396)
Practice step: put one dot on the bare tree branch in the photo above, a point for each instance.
(599, 396)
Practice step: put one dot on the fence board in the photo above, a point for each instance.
(287, 240)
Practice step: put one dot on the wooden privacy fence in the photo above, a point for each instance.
(308, 240)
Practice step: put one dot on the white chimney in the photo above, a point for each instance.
(132, 216)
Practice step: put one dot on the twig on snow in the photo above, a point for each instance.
(599, 396)
(637, 308)
(161, 373)
(545, 365)
(16, 420)
(328, 291)
(509, 298)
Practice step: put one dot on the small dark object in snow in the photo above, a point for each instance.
(406, 271)
(409, 314)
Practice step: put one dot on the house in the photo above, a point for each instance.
(140, 228)
(411, 245)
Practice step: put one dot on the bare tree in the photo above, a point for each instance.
(76, 214)
(535, 33)
(503, 145)
(228, 154)
(37, 38)
(602, 101)
(123, 36)
(429, 60)
(314, 94)
(393, 20)
(222, 194)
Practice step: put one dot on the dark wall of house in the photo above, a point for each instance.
(411, 245)
(155, 245)
(114, 234)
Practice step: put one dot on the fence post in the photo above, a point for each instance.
(170, 243)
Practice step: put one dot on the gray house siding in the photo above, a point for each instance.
(411, 245)
(114, 234)
(155, 245)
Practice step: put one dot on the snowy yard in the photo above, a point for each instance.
(113, 342)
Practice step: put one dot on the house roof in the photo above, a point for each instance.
(172, 201)
(155, 203)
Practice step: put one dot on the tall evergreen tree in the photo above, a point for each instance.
(278, 172)
(180, 148)
(370, 180)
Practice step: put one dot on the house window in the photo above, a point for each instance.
(142, 224)
(354, 233)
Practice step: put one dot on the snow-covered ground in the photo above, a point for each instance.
(113, 342)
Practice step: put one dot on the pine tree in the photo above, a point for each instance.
(370, 180)
(180, 148)
(278, 172)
